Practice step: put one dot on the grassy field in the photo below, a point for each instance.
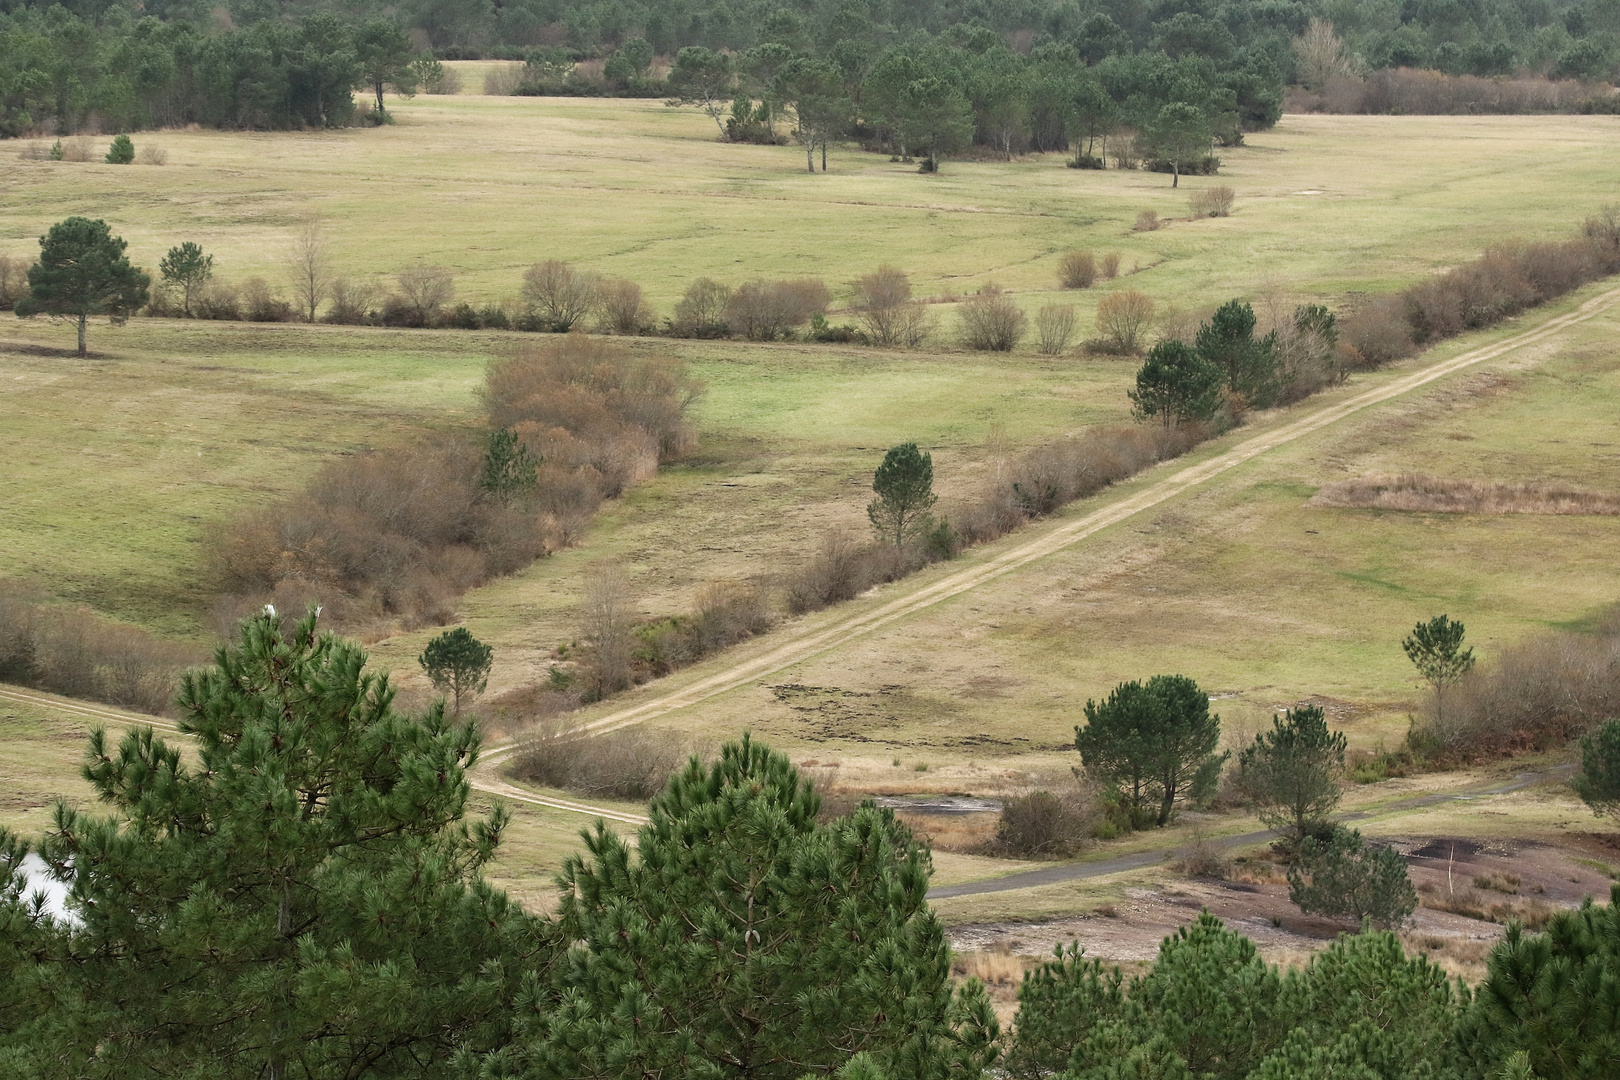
(117, 468)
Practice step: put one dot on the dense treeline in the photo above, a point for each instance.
(303, 896)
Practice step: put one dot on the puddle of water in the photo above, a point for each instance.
(939, 805)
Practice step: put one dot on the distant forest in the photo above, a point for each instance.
(263, 64)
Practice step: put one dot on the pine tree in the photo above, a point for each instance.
(740, 939)
(510, 471)
(82, 271)
(1435, 649)
(1250, 365)
(1155, 742)
(1352, 880)
(296, 895)
(1550, 1001)
(186, 268)
(458, 664)
(1060, 1003)
(1292, 772)
(1598, 783)
(904, 484)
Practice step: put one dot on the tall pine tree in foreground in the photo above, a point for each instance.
(741, 939)
(296, 895)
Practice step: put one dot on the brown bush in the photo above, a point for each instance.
(423, 293)
(1147, 221)
(632, 763)
(607, 631)
(219, 300)
(1110, 266)
(1122, 322)
(727, 613)
(1414, 92)
(882, 301)
(1052, 475)
(701, 312)
(73, 652)
(557, 296)
(620, 308)
(768, 310)
(621, 414)
(1376, 333)
(351, 301)
(1536, 694)
(260, 304)
(13, 281)
(1042, 825)
(149, 154)
(1212, 202)
(843, 568)
(1054, 325)
(1429, 494)
(1077, 270)
(991, 320)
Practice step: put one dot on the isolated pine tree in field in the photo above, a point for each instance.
(295, 894)
(1155, 742)
(904, 484)
(738, 938)
(458, 664)
(1550, 1000)
(82, 272)
(1292, 772)
(1435, 649)
(187, 269)
(1344, 878)
(1598, 783)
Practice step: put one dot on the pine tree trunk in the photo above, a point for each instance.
(82, 320)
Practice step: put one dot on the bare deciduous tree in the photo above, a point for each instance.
(1055, 326)
(608, 629)
(1122, 320)
(1321, 55)
(309, 267)
(881, 300)
(425, 290)
(557, 295)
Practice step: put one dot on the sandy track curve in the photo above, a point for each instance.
(490, 787)
(806, 643)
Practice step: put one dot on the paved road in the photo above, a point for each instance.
(814, 636)
(1052, 875)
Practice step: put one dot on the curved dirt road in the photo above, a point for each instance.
(801, 643)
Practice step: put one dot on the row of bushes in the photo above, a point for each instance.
(1418, 92)
(70, 651)
(400, 534)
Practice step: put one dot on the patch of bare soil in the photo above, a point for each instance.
(1467, 891)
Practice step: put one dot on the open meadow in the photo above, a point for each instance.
(118, 469)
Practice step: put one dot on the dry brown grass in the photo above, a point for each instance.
(1472, 903)
(991, 967)
(1431, 494)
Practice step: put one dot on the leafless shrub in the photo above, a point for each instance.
(607, 631)
(1055, 326)
(1077, 270)
(444, 81)
(1212, 201)
(620, 308)
(13, 281)
(1202, 859)
(1122, 321)
(1044, 825)
(882, 301)
(352, 299)
(503, 81)
(34, 151)
(1413, 92)
(1147, 221)
(843, 568)
(73, 652)
(1376, 333)
(613, 408)
(914, 324)
(1538, 693)
(632, 763)
(423, 292)
(558, 296)
(1470, 903)
(727, 613)
(219, 299)
(701, 312)
(152, 154)
(261, 304)
(1429, 494)
(991, 320)
(77, 149)
(767, 310)
(1054, 474)
(1110, 266)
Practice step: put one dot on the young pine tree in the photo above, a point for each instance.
(1292, 772)
(904, 484)
(458, 664)
(297, 895)
(739, 939)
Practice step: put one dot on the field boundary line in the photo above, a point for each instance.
(505, 791)
(809, 644)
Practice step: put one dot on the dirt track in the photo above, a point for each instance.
(812, 637)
